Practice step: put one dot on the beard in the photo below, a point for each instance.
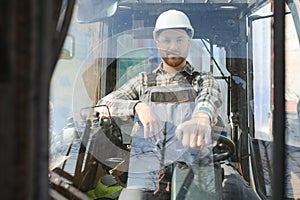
(173, 61)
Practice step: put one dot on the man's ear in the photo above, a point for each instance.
(190, 42)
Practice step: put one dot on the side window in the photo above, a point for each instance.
(262, 86)
(263, 100)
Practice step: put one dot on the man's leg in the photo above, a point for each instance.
(235, 187)
(136, 194)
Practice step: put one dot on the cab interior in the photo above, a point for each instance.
(223, 44)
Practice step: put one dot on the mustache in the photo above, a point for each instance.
(173, 53)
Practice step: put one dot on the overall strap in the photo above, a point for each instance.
(193, 78)
(151, 79)
(148, 80)
(190, 77)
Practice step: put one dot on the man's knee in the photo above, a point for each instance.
(136, 194)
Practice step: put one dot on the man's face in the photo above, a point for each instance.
(173, 46)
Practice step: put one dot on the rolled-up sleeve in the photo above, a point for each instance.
(121, 102)
(208, 99)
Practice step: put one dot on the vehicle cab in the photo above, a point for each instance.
(111, 41)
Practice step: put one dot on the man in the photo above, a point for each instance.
(195, 96)
(173, 33)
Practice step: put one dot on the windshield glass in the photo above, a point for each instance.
(117, 57)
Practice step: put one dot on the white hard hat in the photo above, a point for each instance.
(173, 19)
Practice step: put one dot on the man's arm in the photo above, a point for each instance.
(196, 132)
(208, 99)
(121, 102)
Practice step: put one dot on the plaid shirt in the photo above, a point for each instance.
(121, 102)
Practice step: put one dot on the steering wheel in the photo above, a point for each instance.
(223, 149)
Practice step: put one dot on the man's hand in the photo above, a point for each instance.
(195, 132)
(153, 127)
